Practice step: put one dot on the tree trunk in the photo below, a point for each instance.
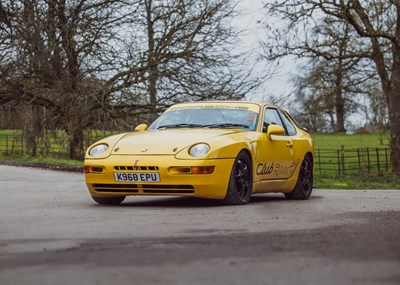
(394, 117)
(393, 97)
(76, 143)
(339, 100)
(72, 92)
(152, 62)
(32, 129)
(339, 103)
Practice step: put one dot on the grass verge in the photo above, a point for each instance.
(39, 159)
(360, 181)
(43, 162)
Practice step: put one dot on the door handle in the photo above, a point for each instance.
(289, 144)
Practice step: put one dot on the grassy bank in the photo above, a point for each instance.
(41, 159)
(362, 181)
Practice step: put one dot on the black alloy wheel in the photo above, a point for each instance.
(304, 185)
(241, 182)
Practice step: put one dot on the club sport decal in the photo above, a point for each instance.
(264, 168)
(275, 169)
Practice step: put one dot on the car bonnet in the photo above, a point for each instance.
(164, 142)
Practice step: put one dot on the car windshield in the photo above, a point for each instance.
(207, 118)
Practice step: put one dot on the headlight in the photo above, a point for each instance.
(98, 149)
(199, 149)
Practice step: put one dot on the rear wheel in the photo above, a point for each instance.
(109, 201)
(304, 185)
(240, 182)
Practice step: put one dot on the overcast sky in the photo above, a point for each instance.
(252, 12)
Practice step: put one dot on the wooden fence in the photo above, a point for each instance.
(12, 145)
(54, 144)
(352, 161)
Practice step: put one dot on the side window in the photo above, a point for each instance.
(271, 117)
(290, 129)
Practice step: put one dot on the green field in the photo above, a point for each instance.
(55, 153)
(347, 142)
(337, 140)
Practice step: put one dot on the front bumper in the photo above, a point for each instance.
(101, 182)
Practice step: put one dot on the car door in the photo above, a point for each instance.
(276, 155)
(291, 132)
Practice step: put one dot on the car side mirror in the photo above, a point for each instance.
(141, 128)
(275, 130)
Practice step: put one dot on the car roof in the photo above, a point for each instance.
(254, 106)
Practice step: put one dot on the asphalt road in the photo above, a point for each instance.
(51, 232)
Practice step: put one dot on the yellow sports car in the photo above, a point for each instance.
(217, 150)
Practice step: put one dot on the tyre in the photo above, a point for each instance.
(304, 185)
(109, 201)
(240, 182)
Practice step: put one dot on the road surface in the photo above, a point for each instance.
(51, 232)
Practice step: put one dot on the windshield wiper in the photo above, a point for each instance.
(226, 125)
(172, 126)
(221, 125)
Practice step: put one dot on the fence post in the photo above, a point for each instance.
(6, 144)
(359, 159)
(13, 144)
(386, 160)
(22, 144)
(342, 157)
(369, 161)
(338, 160)
(319, 160)
(377, 160)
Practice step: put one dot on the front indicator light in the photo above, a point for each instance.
(179, 170)
(176, 170)
(203, 169)
(93, 169)
(86, 169)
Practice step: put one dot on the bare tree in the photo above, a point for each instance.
(314, 108)
(185, 46)
(375, 25)
(49, 53)
(86, 62)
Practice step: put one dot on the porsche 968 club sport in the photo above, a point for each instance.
(216, 150)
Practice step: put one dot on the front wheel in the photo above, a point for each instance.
(240, 182)
(109, 201)
(304, 185)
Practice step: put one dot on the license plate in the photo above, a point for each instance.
(137, 177)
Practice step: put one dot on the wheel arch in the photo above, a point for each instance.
(248, 153)
(246, 150)
(311, 156)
